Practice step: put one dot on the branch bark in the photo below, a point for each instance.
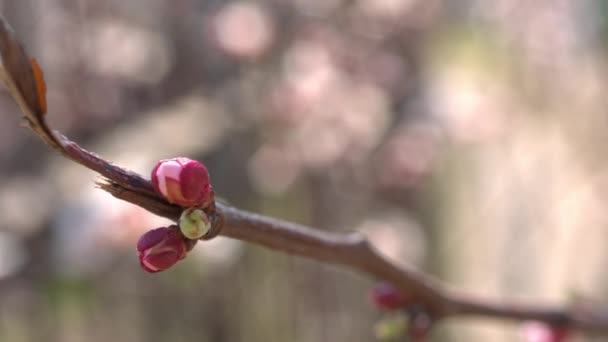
(24, 81)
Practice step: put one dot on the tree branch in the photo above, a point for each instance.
(24, 81)
(354, 251)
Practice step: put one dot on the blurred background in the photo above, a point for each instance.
(466, 137)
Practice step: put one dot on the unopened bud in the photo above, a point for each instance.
(182, 181)
(387, 297)
(194, 223)
(161, 248)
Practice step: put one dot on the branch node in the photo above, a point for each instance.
(217, 224)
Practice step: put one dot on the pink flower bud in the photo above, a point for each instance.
(387, 297)
(540, 332)
(161, 248)
(182, 181)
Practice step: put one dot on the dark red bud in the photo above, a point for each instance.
(387, 297)
(161, 248)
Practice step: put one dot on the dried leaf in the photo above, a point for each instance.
(40, 84)
(24, 80)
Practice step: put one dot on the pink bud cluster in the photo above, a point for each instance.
(388, 297)
(184, 182)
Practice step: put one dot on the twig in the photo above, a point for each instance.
(24, 81)
(354, 251)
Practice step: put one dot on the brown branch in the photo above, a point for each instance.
(25, 83)
(354, 251)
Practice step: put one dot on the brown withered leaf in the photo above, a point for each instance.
(24, 80)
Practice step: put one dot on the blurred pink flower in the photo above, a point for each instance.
(408, 157)
(244, 29)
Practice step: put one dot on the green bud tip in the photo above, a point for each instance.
(194, 223)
